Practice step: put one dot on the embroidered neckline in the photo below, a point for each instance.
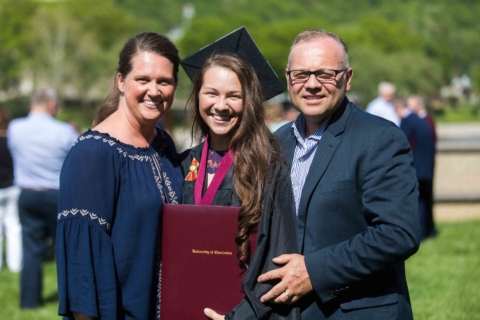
(158, 142)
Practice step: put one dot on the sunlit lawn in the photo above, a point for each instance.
(461, 114)
(443, 277)
(9, 296)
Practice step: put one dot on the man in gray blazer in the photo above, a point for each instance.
(355, 194)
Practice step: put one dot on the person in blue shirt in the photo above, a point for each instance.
(112, 188)
(422, 142)
(38, 144)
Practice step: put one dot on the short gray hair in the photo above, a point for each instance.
(386, 86)
(318, 34)
(420, 99)
(43, 95)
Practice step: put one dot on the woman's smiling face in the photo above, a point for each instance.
(221, 105)
(148, 89)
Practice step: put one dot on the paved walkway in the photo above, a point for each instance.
(462, 137)
(450, 212)
(458, 130)
(457, 172)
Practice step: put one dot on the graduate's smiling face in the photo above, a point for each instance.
(220, 105)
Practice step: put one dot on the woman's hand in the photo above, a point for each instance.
(213, 315)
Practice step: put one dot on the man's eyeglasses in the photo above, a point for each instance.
(322, 75)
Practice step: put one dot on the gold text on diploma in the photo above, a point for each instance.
(215, 252)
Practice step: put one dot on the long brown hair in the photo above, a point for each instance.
(142, 42)
(252, 143)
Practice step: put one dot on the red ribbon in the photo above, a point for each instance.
(222, 171)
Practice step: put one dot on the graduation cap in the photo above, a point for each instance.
(238, 42)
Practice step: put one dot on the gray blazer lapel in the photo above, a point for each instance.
(323, 155)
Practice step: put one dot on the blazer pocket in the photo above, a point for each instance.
(333, 186)
(370, 302)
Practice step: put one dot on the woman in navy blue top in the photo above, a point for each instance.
(112, 187)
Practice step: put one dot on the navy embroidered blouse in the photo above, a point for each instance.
(109, 225)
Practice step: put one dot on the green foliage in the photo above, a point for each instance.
(80, 118)
(476, 76)
(86, 32)
(466, 112)
(18, 106)
(407, 42)
(15, 40)
(151, 15)
(409, 70)
(274, 42)
(74, 45)
(377, 32)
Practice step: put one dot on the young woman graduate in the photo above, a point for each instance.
(239, 163)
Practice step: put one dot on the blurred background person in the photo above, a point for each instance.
(273, 115)
(38, 144)
(74, 123)
(382, 106)
(422, 143)
(9, 221)
(416, 103)
(285, 113)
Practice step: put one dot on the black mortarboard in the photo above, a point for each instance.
(238, 42)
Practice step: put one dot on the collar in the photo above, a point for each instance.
(422, 113)
(299, 126)
(408, 113)
(37, 114)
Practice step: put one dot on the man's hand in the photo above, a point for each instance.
(213, 315)
(295, 281)
(79, 316)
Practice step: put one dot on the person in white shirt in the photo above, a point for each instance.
(382, 106)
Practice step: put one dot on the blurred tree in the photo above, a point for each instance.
(15, 40)
(273, 41)
(153, 15)
(476, 77)
(76, 46)
(410, 71)
(417, 44)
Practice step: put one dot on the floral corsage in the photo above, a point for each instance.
(193, 170)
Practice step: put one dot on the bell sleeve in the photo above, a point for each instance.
(84, 253)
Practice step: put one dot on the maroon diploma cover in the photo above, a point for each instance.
(199, 261)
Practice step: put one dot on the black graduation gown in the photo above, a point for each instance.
(276, 235)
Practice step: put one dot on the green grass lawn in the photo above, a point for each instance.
(9, 296)
(443, 277)
(461, 114)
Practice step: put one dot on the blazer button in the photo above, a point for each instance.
(332, 294)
